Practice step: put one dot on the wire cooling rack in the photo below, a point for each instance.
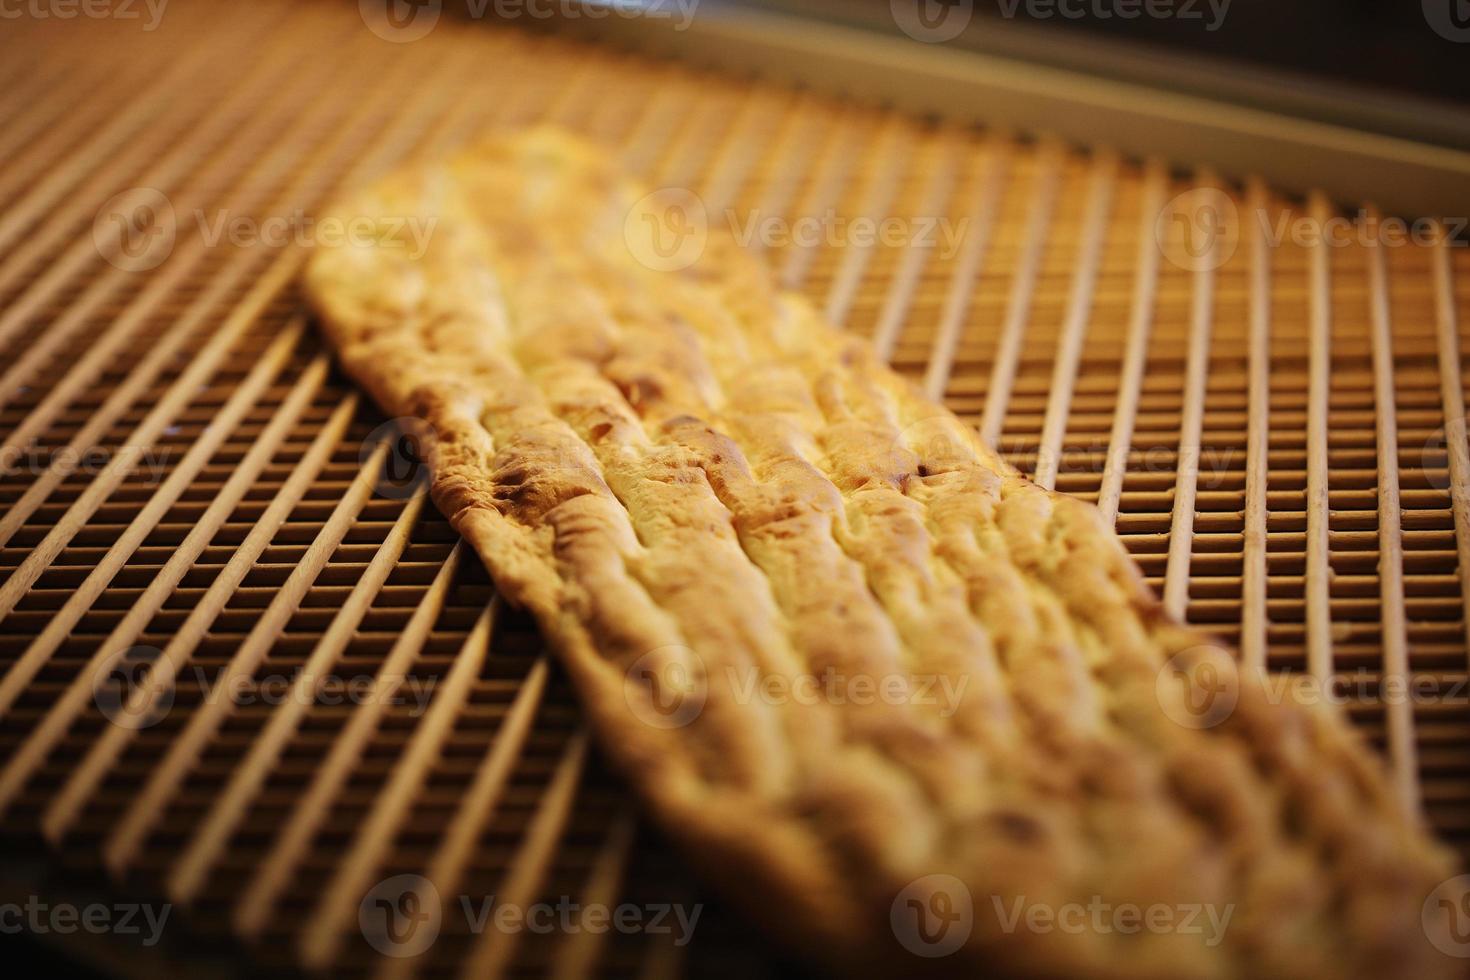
(1275, 420)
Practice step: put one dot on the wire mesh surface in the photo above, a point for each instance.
(188, 486)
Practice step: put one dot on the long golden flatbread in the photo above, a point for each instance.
(906, 708)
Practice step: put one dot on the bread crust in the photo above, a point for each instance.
(712, 501)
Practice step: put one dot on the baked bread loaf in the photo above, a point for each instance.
(907, 709)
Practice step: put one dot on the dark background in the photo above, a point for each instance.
(1376, 44)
